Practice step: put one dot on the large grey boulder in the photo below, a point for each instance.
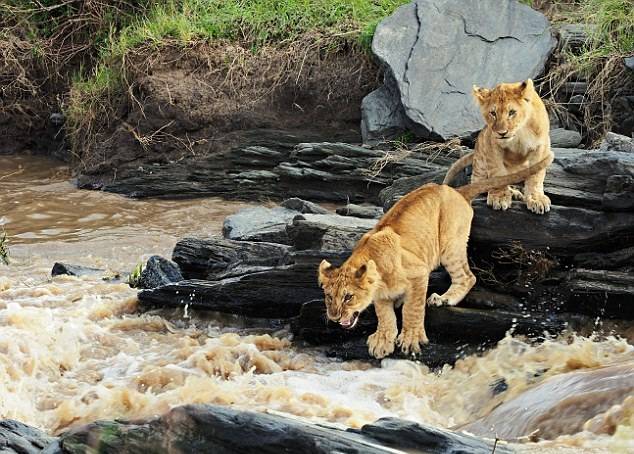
(434, 51)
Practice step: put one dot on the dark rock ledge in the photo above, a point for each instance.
(536, 274)
(223, 430)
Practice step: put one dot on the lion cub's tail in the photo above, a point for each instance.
(470, 191)
(457, 167)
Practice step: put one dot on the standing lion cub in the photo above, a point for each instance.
(516, 136)
(428, 227)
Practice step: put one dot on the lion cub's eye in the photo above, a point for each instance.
(493, 114)
(348, 297)
(512, 113)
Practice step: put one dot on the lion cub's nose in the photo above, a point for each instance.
(503, 133)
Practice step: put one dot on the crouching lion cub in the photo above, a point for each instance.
(428, 227)
(516, 135)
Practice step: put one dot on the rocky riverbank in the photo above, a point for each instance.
(536, 274)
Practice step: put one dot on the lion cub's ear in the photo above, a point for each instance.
(367, 272)
(325, 271)
(480, 94)
(527, 87)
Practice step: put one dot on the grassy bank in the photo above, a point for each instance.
(88, 48)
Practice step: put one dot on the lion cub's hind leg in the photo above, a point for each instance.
(454, 259)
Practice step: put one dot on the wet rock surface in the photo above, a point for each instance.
(278, 168)
(18, 438)
(209, 428)
(559, 405)
(61, 269)
(529, 260)
(425, 46)
(159, 271)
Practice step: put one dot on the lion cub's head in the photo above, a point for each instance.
(506, 108)
(348, 290)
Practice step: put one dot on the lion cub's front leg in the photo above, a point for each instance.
(381, 343)
(536, 200)
(413, 331)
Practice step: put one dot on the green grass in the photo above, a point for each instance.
(254, 22)
(612, 23)
(135, 275)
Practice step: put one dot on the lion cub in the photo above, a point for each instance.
(516, 135)
(428, 227)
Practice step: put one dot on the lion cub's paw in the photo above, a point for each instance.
(516, 194)
(436, 300)
(500, 200)
(381, 344)
(538, 203)
(410, 340)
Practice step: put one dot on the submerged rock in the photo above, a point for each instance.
(159, 271)
(215, 429)
(425, 47)
(75, 270)
(560, 405)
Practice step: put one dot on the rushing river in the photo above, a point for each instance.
(73, 350)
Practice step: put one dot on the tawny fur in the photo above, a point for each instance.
(516, 136)
(428, 227)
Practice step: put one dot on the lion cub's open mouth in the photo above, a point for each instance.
(351, 322)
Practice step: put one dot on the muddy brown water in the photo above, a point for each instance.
(73, 350)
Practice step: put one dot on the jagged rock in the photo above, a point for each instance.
(564, 138)
(210, 257)
(159, 271)
(617, 142)
(382, 116)
(259, 224)
(443, 325)
(303, 206)
(254, 291)
(622, 113)
(425, 47)
(605, 260)
(629, 63)
(575, 88)
(577, 178)
(361, 211)
(336, 172)
(411, 437)
(608, 293)
(433, 355)
(560, 405)
(75, 270)
(224, 430)
(573, 38)
(328, 232)
(18, 438)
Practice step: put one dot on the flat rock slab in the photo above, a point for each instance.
(259, 224)
(425, 47)
(207, 258)
(324, 171)
(361, 211)
(223, 430)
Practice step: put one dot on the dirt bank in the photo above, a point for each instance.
(184, 102)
